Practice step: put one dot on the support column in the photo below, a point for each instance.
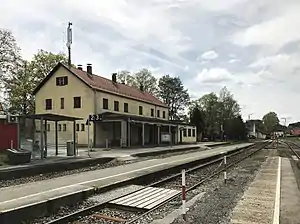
(170, 134)
(46, 148)
(143, 134)
(158, 135)
(74, 137)
(42, 138)
(56, 138)
(129, 133)
(124, 132)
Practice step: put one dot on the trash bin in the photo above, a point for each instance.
(70, 148)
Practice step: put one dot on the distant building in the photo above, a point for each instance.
(125, 116)
(254, 129)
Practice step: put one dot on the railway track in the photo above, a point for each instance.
(292, 146)
(169, 185)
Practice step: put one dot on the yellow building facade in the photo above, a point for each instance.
(126, 116)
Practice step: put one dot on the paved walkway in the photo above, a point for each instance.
(122, 152)
(272, 198)
(112, 153)
(22, 195)
(258, 204)
(290, 195)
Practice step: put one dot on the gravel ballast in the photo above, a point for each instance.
(218, 202)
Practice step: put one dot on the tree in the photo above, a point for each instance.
(197, 119)
(19, 89)
(270, 121)
(218, 112)
(122, 76)
(9, 54)
(28, 75)
(229, 108)
(236, 128)
(172, 92)
(210, 106)
(142, 78)
(43, 62)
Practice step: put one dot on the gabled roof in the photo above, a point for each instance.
(106, 85)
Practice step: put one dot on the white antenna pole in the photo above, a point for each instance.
(69, 42)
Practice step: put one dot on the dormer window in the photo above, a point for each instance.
(62, 81)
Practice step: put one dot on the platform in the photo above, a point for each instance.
(272, 197)
(99, 156)
(15, 197)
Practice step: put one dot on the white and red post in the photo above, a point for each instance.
(183, 195)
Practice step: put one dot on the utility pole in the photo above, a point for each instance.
(249, 116)
(284, 118)
(69, 42)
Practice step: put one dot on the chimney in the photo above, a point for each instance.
(142, 87)
(79, 67)
(114, 77)
(89, 69)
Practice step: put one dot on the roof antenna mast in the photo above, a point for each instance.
(69, 42)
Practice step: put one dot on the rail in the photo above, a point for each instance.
(200, 182)
(87, 211)
(289, 144)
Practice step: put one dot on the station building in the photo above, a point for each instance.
(121, 115)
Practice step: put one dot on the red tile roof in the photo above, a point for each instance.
(106, 85)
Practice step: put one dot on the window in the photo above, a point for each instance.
(184, 132)
(59, 127)
(82, 127)
(77, 127)
(126, 107)
(64, 127)
(62, 103)
(189, 132)
(62, 81)
(48, 127)
(152, 112)
(194, 132)
(164, 114)
(116, 105)
(77, 102)
(158, 113)
(105, 103)
(48, 104)
(140, 110)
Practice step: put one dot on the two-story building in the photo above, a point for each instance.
(126, 116)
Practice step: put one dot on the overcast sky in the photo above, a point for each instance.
(251, 46)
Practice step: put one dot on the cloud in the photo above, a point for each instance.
(283, 66)
(214, 75)
(250, 46)
(274, 33)
(209, 55)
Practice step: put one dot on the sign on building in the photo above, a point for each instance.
(166, 137)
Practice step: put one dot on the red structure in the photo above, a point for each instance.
(295, 132)
(8, 134)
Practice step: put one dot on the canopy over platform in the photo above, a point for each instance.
(51, 117)
(43, 134)
(106, 116)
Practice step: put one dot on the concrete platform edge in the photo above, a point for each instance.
(18, 172)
